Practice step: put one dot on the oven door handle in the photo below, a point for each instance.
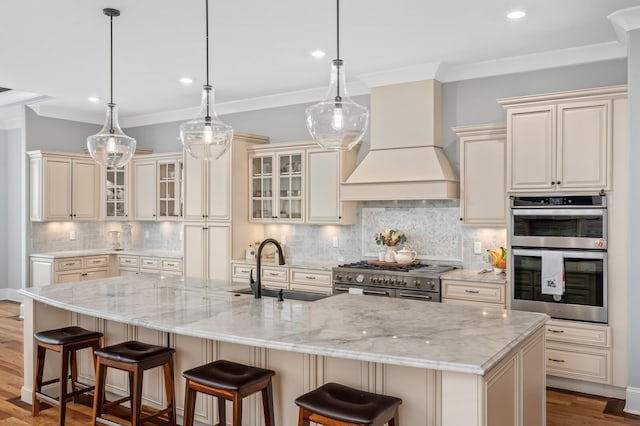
(376, 292)
(415, 296)
(583, 254)
(341, 289)
(557, 212)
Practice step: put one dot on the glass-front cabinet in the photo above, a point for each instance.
(276, 186)
(170, 189)
(116, 193)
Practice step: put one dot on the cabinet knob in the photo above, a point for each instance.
(553, 182)
(339, 217)
(460, 219)
(558, 182)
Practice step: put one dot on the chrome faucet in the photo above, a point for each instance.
(256, 286)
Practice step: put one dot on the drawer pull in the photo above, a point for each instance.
(556, 360)
(416, 296)
(555, 331)
(310, 277)
(148, 262)
(244, 271)
(274, 274)
(69, 264)
(170, 264)
(472, 291)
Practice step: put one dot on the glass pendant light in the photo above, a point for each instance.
(206, 136)
(110, 146)
(337, 122)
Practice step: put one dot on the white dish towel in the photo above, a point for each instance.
(552, 273)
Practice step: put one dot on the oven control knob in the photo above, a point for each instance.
(373, 279)
(417, 283)
(386, 280)
(338, 277)
(349, 278)
(431, 285)
(360, 278)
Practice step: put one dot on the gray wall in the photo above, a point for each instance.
(4, 241)
(53, 134)
(633, 397)
(15, 214)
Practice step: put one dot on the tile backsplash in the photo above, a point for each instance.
(55, 236)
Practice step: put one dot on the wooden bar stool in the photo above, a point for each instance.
(134, 358)
(66, 341)
(337, 405)
(228, 381)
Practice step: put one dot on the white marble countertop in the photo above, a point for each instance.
(97, 252)
(474, 275)
(368, 328)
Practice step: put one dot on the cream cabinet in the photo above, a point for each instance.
(561, 141)
(157, 187)
(473, 293)
(207, 189)
(207, 250)
(46, 271)
(116, 192)
(311, 280)
(297, 182)
(63, 187)
(483, 201)
(133, 265)
(326, 170)
(578, 350)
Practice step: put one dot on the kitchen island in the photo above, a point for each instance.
(451, 365)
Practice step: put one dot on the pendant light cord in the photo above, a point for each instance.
(208, 86)
(338, 62)
(111, 104)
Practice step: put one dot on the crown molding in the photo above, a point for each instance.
(435, 70)
(625, 20)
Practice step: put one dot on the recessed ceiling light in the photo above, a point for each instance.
(94, 99)
(186, 80)
(516, 14)
(318, 53)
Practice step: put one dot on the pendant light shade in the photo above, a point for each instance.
(206, 136)
(110, 146)
(337, 122)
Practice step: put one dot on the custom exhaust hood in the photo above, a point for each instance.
(406, 160)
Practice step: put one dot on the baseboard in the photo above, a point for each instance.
(633, 401)
(10, 294)
(590, 388)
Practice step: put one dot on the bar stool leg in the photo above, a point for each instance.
(237, 410)
(302, 419)
(170, 390)
(136, 397)
(267, 405)
(74, 375)
(222, 412)
(98, 395)
(37, 379)
(64, 378)
(189, 404)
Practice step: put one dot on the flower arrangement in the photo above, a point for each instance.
(390, 237)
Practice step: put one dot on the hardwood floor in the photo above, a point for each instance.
(563, 408)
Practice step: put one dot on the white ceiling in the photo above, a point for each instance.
(262, 48)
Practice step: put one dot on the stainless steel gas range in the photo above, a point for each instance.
(417, 281)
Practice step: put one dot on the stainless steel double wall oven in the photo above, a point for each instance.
(576, 228)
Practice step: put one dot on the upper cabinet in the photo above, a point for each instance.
(116, 192)
(157, 187)
(298, 183)
(63, 187)
(483, 201)
(207, 189)
(561, 141)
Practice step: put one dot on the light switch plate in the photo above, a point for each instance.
(72, 235)
(335, 242)
(477, 247)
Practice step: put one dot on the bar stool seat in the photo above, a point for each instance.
(134, 357)
(67, 341)
(229, 381)
(335, 402)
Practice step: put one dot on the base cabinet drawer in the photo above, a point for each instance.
(593, 365)
(128, 261)
(473, 292)
(171, 265)
(149, 263)
(68, 264)
(578, 333)
(310, 277)
(91, 262)
(272, 274)
(310, 288)
(241, 273)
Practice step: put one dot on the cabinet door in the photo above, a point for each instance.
(482, 180)
(261, 188)
(531, 151)
(323, 196)
(219, 252)
(169, 189)
(219, 189)
(584, 144)
(194, 188)
(195, 250)
(86, 190)
(290, 187)
(68, 277)
(145, 190)
(57, 189)
(95, 274)
(116, 193)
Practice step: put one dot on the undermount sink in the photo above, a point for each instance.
(286, 294)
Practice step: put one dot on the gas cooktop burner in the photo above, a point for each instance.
(363, 264)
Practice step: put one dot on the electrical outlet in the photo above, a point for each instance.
(335, 241)
(283, 239)
(146, 235)
(477, 247)
(72, 235)
(181, 235)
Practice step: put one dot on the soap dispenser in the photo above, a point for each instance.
(250, 253)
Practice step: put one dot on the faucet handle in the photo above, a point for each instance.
(251, 280)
